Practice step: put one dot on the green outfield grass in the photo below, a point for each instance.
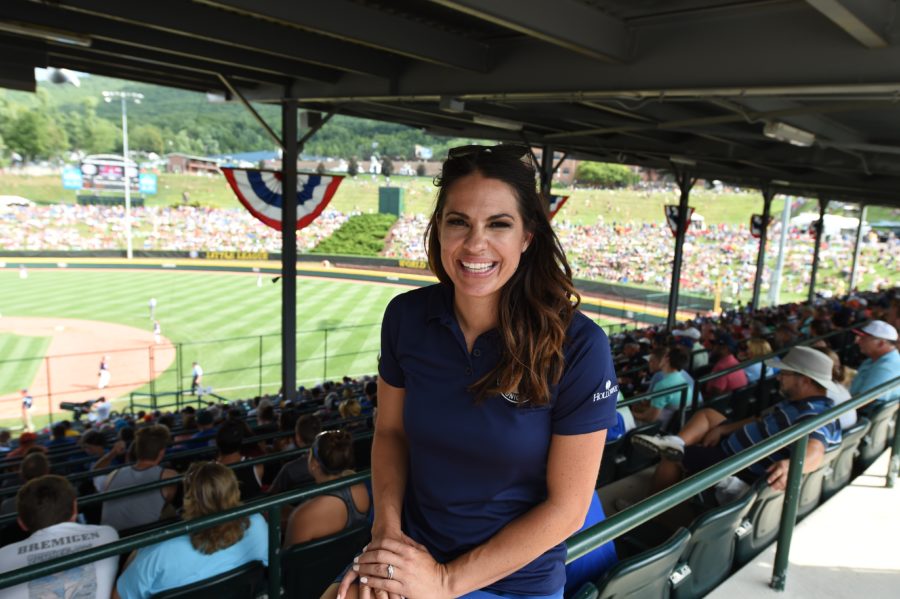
(16, 374)
(199, 310)
(361, 194)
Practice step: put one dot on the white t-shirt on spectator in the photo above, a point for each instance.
(89, 581)
(839, 395)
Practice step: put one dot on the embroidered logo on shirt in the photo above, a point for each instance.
(610, 390)
(513, 397)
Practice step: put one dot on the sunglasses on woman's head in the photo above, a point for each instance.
(514, 151)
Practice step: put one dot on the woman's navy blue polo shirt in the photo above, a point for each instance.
(474, 468)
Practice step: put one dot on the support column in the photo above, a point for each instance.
(685, 183)
(820, 227)
(546, 171)
(289, 248)
(775, 281)
(857, 247)
(768, 194)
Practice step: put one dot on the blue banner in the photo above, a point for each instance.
(147, 183)
(71, 178)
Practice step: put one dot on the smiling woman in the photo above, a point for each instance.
(492, 413)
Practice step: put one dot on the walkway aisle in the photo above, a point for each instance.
(847, 547)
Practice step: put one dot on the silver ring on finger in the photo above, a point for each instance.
(390, 572)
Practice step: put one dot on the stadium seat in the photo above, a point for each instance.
(635, 461)
(646, 575)
(842, 467)
(307, 569)
(710, 552)
(811, 487)
(362, 451)
(587, 591)
(877, 439)
(244, 582)
(761, 525)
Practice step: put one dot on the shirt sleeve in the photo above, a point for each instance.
(587, 392)
(136, 582)
(388, 364)
(259, 535)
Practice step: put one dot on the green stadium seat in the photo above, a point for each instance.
(362, 451)
(244, 582)
(760, 527)
(878, 438)
(710, 553)
(647, 575)
(811, 487)
(587, 591)
(307, 569)
(842, 467)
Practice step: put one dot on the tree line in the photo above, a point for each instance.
(58, 120)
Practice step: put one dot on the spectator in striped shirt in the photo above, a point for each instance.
(709, 437)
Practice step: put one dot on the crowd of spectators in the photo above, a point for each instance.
(718, 258)
(205, 444)
(71, 227)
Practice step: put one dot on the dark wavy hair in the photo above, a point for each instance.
(538, 301)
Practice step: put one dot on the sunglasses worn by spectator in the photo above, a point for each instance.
(513, 151)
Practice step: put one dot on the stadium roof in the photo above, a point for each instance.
(718, 88)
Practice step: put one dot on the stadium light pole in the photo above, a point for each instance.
(136, 98)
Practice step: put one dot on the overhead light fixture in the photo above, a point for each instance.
(451, 104)
(490, 121)
(781, 182)
(789, 134)
(683, 160)
(45, 33)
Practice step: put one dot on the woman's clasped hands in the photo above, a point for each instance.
(395, 568)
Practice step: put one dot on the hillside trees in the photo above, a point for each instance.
(604, 174)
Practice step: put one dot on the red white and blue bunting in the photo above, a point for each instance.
(556, 202)
(260, 193)
(672, 217)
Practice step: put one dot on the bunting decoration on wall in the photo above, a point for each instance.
(756, 224)
(261, 194)
(556, 202)
(673, 219)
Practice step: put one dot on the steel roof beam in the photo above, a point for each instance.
(568, 24)
(359, 24)
(177, 46)
(864, 20)
(224, 27)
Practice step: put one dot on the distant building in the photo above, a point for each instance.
(193, 165)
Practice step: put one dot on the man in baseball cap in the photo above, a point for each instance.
(708, 437)
(878, 342)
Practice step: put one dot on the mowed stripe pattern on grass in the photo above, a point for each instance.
(218, 319)
(20, 358)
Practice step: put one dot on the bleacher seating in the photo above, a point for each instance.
(842, 468)
(244, 582)
(645, 575)
(309, 568)
(709, 555)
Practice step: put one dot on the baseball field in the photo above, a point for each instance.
(56, 325)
